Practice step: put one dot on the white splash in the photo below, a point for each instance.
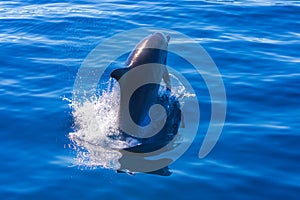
(96, 123)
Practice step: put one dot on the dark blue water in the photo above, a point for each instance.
(255, 45)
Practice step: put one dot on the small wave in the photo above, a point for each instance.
(270, 126)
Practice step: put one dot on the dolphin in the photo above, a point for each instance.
(148, 52)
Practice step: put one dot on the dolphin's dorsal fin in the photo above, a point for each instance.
(118, 73)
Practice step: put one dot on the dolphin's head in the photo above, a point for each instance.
(152, 49)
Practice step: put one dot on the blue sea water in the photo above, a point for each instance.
(255, 45)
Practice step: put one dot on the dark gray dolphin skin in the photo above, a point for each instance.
(152, 49)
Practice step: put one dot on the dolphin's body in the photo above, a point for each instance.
(152, 49)
(150, 55)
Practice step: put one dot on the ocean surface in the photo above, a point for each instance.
(254, 43)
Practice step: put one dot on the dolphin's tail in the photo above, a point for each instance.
(118, 73)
